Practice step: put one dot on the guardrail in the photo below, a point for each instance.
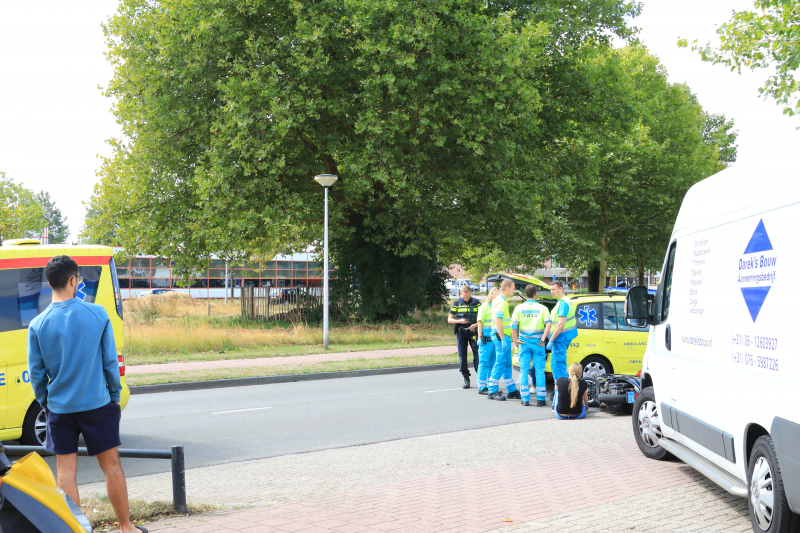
(175, 455)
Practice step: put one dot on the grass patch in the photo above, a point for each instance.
(329, 366)
(280, 351)
(101, 515)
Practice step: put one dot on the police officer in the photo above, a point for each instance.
(530, 325)
(485, 342)
(464, 317)
(501, 331)
(565, 329)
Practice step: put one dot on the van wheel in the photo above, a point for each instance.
(595, 366)
(34, 427)
(647, 425)
(769, 510)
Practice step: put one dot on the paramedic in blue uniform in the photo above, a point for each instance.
(464, 317)
(564, 330)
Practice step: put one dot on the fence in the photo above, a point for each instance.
(175, 455)
(295, 304)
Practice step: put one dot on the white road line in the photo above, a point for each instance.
(441, 390)
(240, 410)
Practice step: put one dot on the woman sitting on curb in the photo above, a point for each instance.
(574, 397)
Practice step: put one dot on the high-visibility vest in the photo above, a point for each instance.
(485, 316)
(571, 324)
(500, 307)
(530, 318)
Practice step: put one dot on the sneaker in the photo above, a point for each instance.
(541, 403)
(466, 382)
(497, 396)
(525, 403)
(483, 391)
(514, 395)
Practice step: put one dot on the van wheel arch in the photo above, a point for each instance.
(29, 429)
(751, 434)
(647, 381)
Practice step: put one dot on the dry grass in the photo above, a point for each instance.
(101, 515)
(330, 366)
(177, 305)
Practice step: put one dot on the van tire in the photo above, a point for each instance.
(764, 466)
(645, 413)
(29, 431)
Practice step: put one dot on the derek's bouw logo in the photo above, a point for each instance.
(757, 269)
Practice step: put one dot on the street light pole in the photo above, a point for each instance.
(326, 180)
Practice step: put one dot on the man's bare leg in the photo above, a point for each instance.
(67, 470)
(117, 489)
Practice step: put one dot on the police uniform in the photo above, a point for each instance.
(558, 357)
(485, 349)
(502, 349)
(469, 311)
(530, 320)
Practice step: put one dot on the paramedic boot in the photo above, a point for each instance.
(484, 391)
(514, 395)
(541, 403)
(525, 403)
(497, 396)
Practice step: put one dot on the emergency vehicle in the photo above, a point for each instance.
(24, 293)
(721, 372)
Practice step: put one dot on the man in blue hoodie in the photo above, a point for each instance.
(74, 371)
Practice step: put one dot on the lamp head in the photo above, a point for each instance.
(326, 180)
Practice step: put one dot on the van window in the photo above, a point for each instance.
(621, 325)
(609, 315)
(24, 293)
(588, 316)
(661, 303)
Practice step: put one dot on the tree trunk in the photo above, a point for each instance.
(603, 261)
(641, 272)
(594, 276)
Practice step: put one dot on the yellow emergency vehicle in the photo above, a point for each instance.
(24, 293)
(605, 344)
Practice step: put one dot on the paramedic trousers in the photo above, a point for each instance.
(558, 358)
(502, 366)
(465, 338)
(532, 354)
(487, 359)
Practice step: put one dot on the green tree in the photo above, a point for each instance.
(58, 230)
(20, 213)
(231, 107)
(768, 36)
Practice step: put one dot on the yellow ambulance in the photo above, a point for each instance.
(24, 293)
(605, 343)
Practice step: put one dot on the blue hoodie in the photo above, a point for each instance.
(72, 357)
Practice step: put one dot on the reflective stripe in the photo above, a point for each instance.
(526, 333)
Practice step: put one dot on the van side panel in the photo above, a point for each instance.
(786, 437)
(733, 317)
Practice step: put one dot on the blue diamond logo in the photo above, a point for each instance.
(754, 296)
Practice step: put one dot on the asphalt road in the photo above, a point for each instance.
(226, 425)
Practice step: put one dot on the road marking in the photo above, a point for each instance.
(241, 410)
(441, 390)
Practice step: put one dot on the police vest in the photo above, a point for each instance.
(500, 306)
(571, 324)
(530, 318)
(462, 309)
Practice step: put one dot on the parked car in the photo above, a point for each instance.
(24, 293)
(720, 375)
(605, 343)
(289, 294)
(154, 291)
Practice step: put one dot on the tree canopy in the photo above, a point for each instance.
(768, 36)
(20, 213)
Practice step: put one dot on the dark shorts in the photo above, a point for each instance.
(100, 429)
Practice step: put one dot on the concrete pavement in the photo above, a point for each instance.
(292, 360)
(544, 475)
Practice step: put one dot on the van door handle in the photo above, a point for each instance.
(668, 338)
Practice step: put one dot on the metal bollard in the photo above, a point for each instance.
(178, 481)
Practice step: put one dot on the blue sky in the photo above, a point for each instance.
(54, 120)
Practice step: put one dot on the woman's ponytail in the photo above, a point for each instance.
(575, 373)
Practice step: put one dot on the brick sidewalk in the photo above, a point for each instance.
(545, 476)
(292, 360)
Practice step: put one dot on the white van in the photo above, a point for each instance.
(721, 373)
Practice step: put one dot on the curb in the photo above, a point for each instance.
(288, 378)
